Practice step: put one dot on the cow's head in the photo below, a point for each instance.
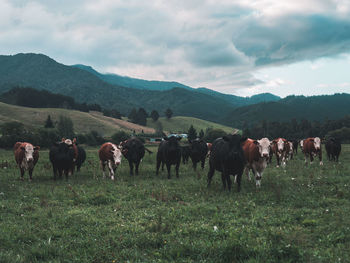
(196, 144)
(301, 143)
(264, 146)
(235, 144)
(173, 143)
(28, 150)
(317, 143)
(117, 154)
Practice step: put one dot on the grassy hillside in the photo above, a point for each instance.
(181, 124)
(83, 122)
(300, 214)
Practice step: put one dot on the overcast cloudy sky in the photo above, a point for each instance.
(241, 47)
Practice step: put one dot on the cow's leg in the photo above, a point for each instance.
(168, 169)
(54, 171)
(229, 182)
(30, 171)
(177, 168)
(305, 155)
(103, 167)
(158, 165)
(223, 179)
(210, 174)
(78, 166)
(278, 160)
(162, 166)
(247, 173)
(239, 179)
(60, 172)
(194, 164)
(22, 173)
(203, 163)
(131, 165)
(137, 167)
(320, 157)
(311, 158)
(111, 169)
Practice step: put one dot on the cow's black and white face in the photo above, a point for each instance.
(264, 146)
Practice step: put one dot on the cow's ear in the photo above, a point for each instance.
(63, 139)
(36, 148)
(23, 148)
(166, 138)
(74, 140)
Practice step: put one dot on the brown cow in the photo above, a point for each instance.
(26, 156)
(256, 153)
(110, 155)
(312, 147)
(279, 148)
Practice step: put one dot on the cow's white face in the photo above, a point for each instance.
(290, 146)
(29, 150)
(264, 147)
(117, 155)
(317, 143)
(68, 142)
(301, 143)
(280, 145)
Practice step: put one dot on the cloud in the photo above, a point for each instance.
(217, 44)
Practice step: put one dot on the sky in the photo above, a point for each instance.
(242, 47)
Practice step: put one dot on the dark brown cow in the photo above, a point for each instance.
(279, 148)
(311, 148)
(26, 156)
(257, 153)
(110, 155)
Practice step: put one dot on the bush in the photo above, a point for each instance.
(213, 134)
(120, 136)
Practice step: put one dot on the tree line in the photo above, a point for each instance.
(295, 129)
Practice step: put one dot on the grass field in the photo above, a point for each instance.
(300, 214)
(180, 124)
(83, 122)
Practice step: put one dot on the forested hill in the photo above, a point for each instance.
(314, 108)
(135, 83)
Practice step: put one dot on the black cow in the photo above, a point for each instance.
(133, 150)
(333, 149)
(169, 152)
(228, 158)
(295, 146)
(61, 156)
(185, 153)
(81, 157)
(198, 152)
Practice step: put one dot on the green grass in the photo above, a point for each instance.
(181, 124)
(300, 214)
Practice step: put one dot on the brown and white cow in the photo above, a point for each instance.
(256, 153)
(311, 148)
(279, 148)
(110, 155)
(302, 145)
(26, 156)
(290, 150)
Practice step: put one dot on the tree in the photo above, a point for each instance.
(201, 134)
(213, 134)
(48, 122)
(168, 113)
(192, 133)
(154, 115)
(141, 117)
(120, 136)
(65, 127)
(133, 115)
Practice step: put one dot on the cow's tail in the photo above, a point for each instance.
(148, 150)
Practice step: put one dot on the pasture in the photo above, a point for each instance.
(300, 214)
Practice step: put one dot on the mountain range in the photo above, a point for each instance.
(85, 84)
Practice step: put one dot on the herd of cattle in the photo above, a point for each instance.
(230, 155)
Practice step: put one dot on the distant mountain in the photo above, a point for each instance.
(41, 72)
(238, 101)
(134, 83)
(317, 108)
